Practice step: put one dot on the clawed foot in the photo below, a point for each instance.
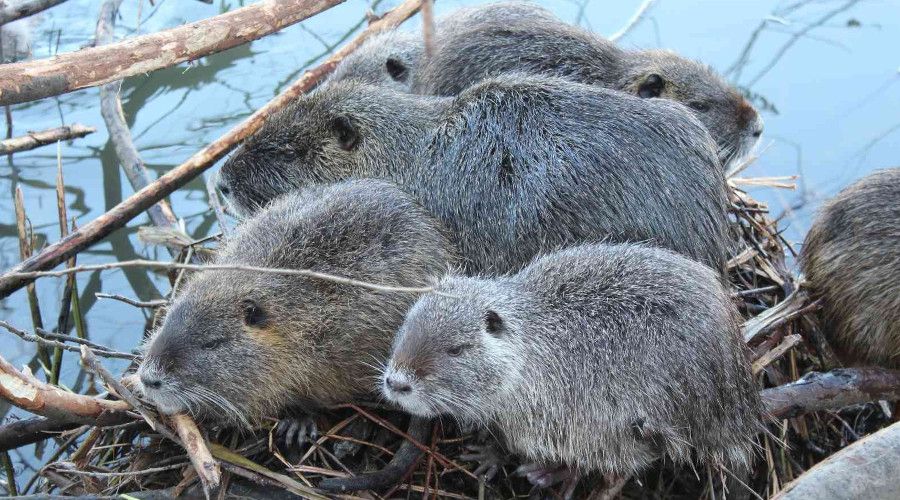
(295, 432)
(545, 476)
(488, 457)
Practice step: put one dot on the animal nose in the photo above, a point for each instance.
(151, 381)
(397, 385)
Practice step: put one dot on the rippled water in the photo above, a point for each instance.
(824, 74)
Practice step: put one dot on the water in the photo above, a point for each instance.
(822, 72)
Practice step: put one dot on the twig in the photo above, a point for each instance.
(31, 80)
(635, 19)
(428, 26)
(152, 264)
(28, 393)
(25, 8)
(132, 302)
(216, 204)
(207, 468)
(229, 457)
(43, 338)
(779, 350)
(119, 215)
(25, 250)
(831, 390)
(41, 138)
(70, 468)
(119, 135)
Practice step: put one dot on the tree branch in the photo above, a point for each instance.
(831, 390)
(42, 138)
(27, 81)
(24, 9)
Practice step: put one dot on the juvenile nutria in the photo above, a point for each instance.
(390, 58)
(546, 45)
(238, 345)
(598, 357)
(513, 166)
(851, 258)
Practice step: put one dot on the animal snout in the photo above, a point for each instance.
(151, 381)
(398, 384)
(757, 126)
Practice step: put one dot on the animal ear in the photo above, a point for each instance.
(346, 134)
(652, 86)
(493, 323)
(397, 69)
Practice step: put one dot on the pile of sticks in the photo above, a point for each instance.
(111, 442)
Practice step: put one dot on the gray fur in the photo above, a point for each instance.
(390, 58)
(600, 357)
(851, 258)
(514, 166)
(319, 341)
(467, 53)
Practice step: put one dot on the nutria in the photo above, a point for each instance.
(390, 58)
(546, 45)
(851, 259)
(240, 345)
(599, 357)
(513, 166)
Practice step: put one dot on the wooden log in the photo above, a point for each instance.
(831, 390)
(25, 8)
(119, 215)
(27, 81)
(868, 468)
(34, 140)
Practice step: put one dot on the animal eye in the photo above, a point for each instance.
(396, 69)
(652, 86)
(254, 315)
(699, 106)
(345, 132)
(212, 344)
(455, 351)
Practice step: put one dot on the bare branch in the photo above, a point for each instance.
(132, 302)
(635, 19)
(29, 393)
(831, 390)
(27, 81)
(49, 339)
(152, 264)
(24, 9)
(41, 138)
(206, 466)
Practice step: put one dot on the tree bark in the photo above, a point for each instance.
(27, 81)
(119, 215)
(868, 468)
(42, 138)
(832, 390)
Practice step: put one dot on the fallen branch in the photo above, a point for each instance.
(31, 430)
(119, 135)
(119, 215)
(29, 393)
(868, 468)
(25, 8)
(831, 390)
(207, 468)
(41, 138)
(31, 80)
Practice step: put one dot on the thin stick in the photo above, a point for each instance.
(428, 26)
(119, 135)
(206, 466)
(70, 468)
(119, 215)
(41, 340)
(831, 390)
(635, 19)
(779, 350)
(25, 249)
(25, 8)
(152, 264)
(132, 302)
(31, 80)
(44, 137)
